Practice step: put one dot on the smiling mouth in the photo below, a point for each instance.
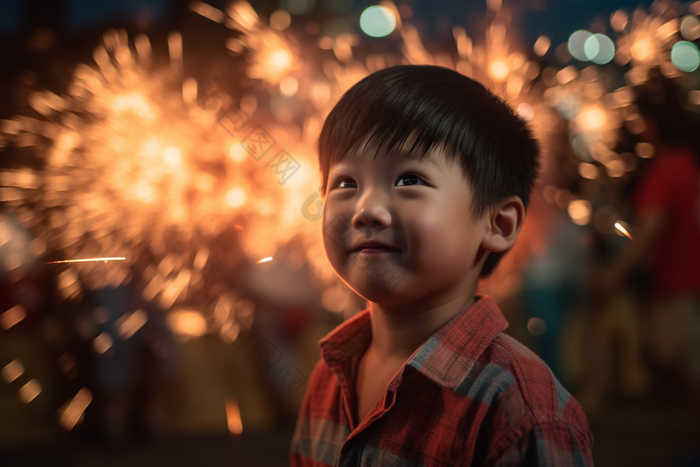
(375, 250)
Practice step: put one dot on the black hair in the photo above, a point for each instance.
(441, 107)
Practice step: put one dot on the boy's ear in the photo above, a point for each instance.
(503, 225)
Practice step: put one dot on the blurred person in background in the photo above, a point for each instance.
(287, 307)
(554, 282)
(133, 374)
(666, 232)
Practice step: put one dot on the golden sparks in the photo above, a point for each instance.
(624, 231)
(88, 260)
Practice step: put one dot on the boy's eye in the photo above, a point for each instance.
(350, 180)
(411, 179)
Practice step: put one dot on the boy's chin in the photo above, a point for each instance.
(383, 290)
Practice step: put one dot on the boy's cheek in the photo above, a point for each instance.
(334, 241)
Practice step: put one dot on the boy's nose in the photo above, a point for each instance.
(372, 211)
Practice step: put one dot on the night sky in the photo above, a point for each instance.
(556, 18)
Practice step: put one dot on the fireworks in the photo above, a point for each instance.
(134, 164)
(141, 162)
(624, 231)
(87, 260)
(646, 41)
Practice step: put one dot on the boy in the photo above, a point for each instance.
(425, 375)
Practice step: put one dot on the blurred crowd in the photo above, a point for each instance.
(617, 317)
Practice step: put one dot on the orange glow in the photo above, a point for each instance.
(618, 20)
(73, 411)
(321, 92)
(615, 168)
(244, 15)
(233, 416)
(12, 316)
(280, 20)
(588, 171)
(129, 324)
(580, 211)
(289, 86)
(542, 45)
(235, 197)
(494, 5)
(173, 157)
(135, 103)
(642, 49)
(12, 371)
(499, 69)
(207, 11)
(280, 58)
(29, 391)
(187, 323)
(144, 192)
(644, 150)
(236, 152)
(593, 118)
(567, 74)
(102, 343)
(157, 152)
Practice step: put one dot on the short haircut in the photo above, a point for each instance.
(441, 107)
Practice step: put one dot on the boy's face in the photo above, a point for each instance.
(420, 208)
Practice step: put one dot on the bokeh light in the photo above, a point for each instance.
(580, 211)
(685, 56)
(690, 28)
(542, 45)
(576, 44)
(599, 49)
(536, 326)
(618, 20)
(280, 20)
(377, 21)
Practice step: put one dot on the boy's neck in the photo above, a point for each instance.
(396, 334)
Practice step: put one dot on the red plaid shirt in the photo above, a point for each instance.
(469, 396)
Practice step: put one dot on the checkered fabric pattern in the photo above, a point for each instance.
(469, 396)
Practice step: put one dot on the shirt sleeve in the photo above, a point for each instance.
(549, 444)
(295, 459)
(301, 431)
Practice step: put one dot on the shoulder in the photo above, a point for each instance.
(541, 391)
(522, 393)
(321, 381)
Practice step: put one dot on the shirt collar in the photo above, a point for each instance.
(445, 358)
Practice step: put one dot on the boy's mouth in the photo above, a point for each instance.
(374, 247)
(375, 250)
